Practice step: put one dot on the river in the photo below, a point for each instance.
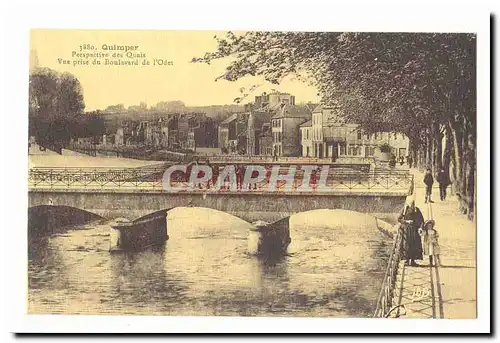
(334, 268)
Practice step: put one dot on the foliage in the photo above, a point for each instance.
(385, 148)
(55, 101)
(88, 125)
(383, 81)
(420, 84)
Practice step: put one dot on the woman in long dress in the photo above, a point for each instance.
(411, 220)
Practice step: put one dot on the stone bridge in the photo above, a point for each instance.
(249, 206)
(53, 196)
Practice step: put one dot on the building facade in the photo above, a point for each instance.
(306, 139)
(332, 137)
(232, 133)
(285, 129)
(266, 140)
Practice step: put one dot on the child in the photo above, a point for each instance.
(430, 241)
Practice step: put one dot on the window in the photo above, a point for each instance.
(342, 149)
(354, 151)
(359, 134)
(307, 151)
(369, 151)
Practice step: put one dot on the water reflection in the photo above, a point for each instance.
(334, 268)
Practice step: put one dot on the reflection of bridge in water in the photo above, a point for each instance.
(137, 194)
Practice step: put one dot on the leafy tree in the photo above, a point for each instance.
(88, 125)
(420, 84)
(115, 108)
(55, 100)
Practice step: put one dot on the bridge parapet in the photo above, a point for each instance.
(151, 179)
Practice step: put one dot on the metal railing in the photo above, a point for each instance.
(151, 178)
(386, 295)
(285, 159)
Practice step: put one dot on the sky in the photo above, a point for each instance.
(192, 83)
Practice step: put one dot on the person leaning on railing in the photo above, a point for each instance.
(412, 221)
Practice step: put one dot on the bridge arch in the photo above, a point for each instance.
(172, 209)
(48, 219)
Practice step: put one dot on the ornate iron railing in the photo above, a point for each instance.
(385, 301)
(338, 179)
(285, 159)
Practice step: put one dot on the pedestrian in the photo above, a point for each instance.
(409, 160)
(187, 179)
(392, 161)
(269, 169)
(428, 180)
(442, 179)
(215, 175)
(239, 176)
(430, 244)
(315, 175)
(209, 181)
(255, 174)
(411, 220)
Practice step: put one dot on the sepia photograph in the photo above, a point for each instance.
(252, 173)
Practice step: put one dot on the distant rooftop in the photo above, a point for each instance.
(307, 123)
(232, 117)
(292, 111)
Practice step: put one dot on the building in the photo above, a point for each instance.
(332, 137)
(183, 130)
(273, 100)
(232, 133)
(285, 129)
(306, 138)
(124, 133)
(255, 126)
(266, 140)
(120, 136)
(204, 131)
(163, 123)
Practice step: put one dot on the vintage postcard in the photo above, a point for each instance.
(252, 174)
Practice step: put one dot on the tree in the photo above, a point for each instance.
(420, 84)
(88, 125)
(115, 108)
(55, 100)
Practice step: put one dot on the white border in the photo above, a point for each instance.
(419, 17)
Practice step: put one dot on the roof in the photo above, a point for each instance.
(292, 111)
(232, 117)
(307, 123)
(261, 117)
(311, 106)
(318, 108)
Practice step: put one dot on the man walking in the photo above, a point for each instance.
(409, 160)
(428, 180)
(442, 179)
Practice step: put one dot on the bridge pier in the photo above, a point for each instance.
(142, 233)
(269, 238)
